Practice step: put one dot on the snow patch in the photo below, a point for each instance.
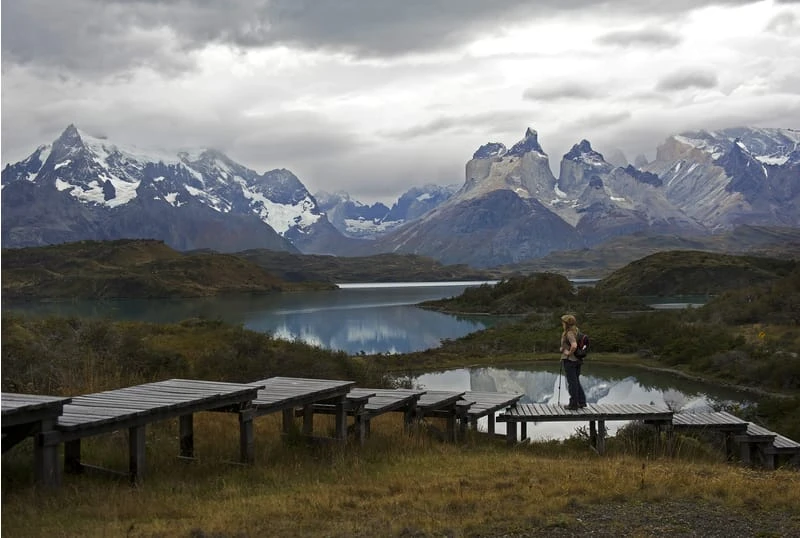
(172, 199)
(774, 160)
(282, 217)
(208, 199)
(62, 164)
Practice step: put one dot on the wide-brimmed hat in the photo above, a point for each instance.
(569, 319)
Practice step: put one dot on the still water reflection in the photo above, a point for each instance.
(603, 384)
(369, 318)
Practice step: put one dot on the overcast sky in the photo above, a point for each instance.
(375, 96)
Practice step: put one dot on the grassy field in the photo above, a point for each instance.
(399, 484)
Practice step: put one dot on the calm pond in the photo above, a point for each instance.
(603, 384)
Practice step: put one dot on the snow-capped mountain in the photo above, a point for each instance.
(733, 176)
(358, 220)
(509, 209)
(496, 217)
(353, 218)
(512, 208)
(83, 187)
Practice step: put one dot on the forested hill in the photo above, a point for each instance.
(683, 272)
(131, 268)
(377, 268)
(142, 268)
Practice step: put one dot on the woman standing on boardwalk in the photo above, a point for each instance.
(571, 364)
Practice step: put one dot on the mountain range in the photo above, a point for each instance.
(510, 208)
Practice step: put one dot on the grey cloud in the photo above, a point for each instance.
(602, 119)
(554, 92)
(655, 38)
(681, 80)
(107, 36)
(496, 121)
(785, 23)
(82, 37)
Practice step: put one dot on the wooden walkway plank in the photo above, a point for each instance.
(486, 404)
(716, 420)
(600, 413)
(285, 394)
(133, 408)
(34, 415)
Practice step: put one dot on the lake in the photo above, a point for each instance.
(357, 318)
(383, 318)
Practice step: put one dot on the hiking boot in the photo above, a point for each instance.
(571, 407)
(582, 405)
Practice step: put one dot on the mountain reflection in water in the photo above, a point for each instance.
(603, 384)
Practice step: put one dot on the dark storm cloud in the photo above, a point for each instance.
(654, 38)
(555, 92)
(108, 36)
(688, 78)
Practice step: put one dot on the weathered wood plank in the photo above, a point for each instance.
(555, 413)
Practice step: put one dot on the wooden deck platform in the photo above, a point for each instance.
(379, 402)
(285, 394)
(756, 444)
(446, 404)
(719, 420)
(595, 414)
(364, 404)
(33, 415)
(486, 404)
(137, 406)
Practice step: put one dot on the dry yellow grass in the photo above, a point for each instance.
(396, 484)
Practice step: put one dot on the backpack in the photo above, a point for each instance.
(582, 350)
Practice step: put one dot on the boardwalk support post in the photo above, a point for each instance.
(246, 436)
(45, 449)
(136, 447)
(186, 434)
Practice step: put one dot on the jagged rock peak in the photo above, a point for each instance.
(644, 177)
(70, 137)
(581, 151)
(490, 150)
(529, 143)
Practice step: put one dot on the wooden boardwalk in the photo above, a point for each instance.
(136, 407)
(285, 394)
(486, 404)
(595, 414)
(32, 415)
(365, 404)
(447, 404)
(755, 443)
(53, 420)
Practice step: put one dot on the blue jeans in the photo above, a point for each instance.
(572, 369)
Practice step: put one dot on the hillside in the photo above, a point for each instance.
(378, 268)
(130, 269)
(683, 272)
